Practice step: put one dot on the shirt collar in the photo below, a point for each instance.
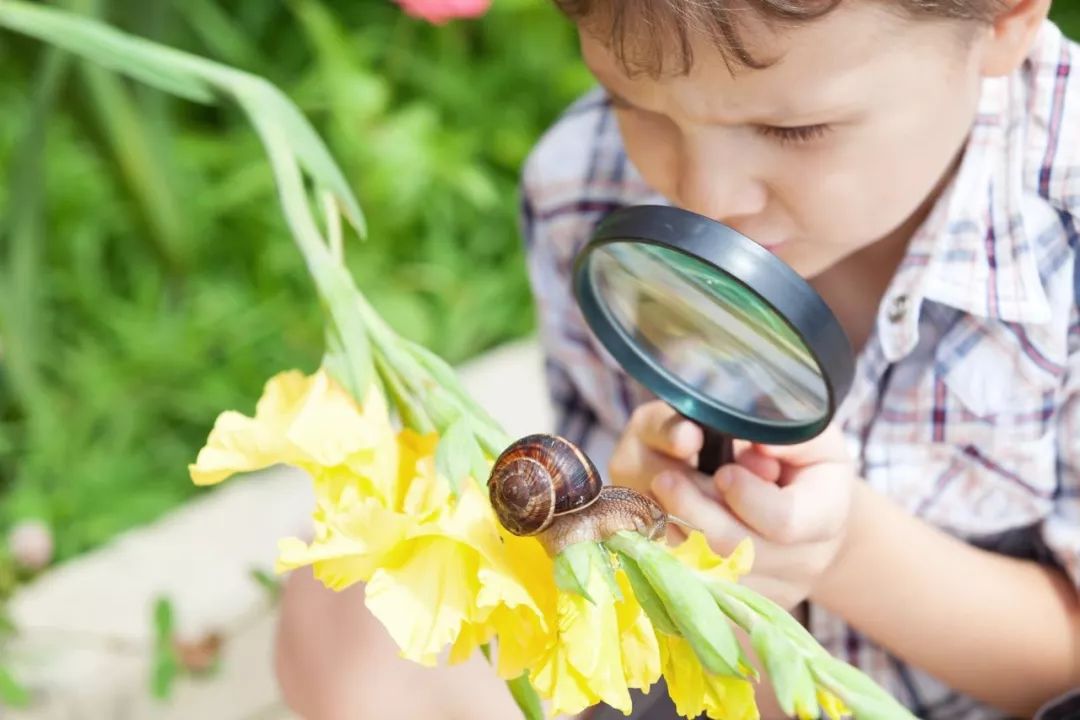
(972, 252)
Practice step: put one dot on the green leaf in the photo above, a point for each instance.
(307, 145)
(166, 666)
(12, 693)
(772, 613)
(688, 602)
(603, 561)
(138, 58)
(787, 670)
(647, 597)
(163, 620)
(455, 453)
(572, 568)
(166, 669)
(445, 376)
(865, 698)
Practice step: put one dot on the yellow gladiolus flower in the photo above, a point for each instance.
(694, 690)
(313, 424)
(440, 571)
(442, 574)
(601, 647)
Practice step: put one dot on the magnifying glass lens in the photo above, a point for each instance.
(709, 333)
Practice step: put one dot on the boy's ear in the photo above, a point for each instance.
(1010, 37)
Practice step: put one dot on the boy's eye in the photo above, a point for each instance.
(802, 134)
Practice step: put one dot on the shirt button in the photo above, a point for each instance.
(898, 308)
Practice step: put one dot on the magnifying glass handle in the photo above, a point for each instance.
(717, 450)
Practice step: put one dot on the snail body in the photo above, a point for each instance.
(545, 485)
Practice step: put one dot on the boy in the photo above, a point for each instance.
(918, 162)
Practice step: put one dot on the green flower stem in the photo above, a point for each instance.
(491, 436)
(748, 609)
(413, 414)
(699, 606)
(687, 600)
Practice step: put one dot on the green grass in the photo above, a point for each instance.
(147, 279)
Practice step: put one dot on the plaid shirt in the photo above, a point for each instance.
(965, 408)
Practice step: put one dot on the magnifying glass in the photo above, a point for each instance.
(714, 325)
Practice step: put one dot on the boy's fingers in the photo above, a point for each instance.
(680, 497)
(765, 467)
(827, 447)
(659, 427)
(635, 466)
(810, 510)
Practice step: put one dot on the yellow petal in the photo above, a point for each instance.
(424, 600)
(514, 574)
(509, 568)
(583, 664)
(694, 690)
(469, 639)
(282, 395)
(524, 630)
(696, 553)
(307, 422)
(833, 707)
(353, 537)
(522, 639)
(637, 638)
(329, 426)
(423, 493)
(238, 443)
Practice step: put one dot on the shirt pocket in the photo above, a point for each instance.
(1001, 388)
(983, 457)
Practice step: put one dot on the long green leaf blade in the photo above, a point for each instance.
(647, 597)
(688, 602)
(96, 41)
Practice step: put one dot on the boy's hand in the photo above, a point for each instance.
(792, 501)
(658, 439)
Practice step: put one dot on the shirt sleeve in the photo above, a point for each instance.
(1061, 530)
(563, 345)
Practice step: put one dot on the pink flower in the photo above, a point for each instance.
(440, 11)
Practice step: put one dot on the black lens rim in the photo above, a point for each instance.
(761, 272)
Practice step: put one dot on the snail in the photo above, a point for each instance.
(544, 485)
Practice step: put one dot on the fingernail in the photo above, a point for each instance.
(684, 435)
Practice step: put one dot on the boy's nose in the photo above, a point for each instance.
(719, 183)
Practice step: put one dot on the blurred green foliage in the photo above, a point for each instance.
(147, 280)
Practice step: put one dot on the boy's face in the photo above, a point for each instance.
(840, 143)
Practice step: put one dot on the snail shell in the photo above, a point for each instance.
(538, 478)
(545, 485)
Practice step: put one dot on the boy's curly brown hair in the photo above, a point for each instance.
(641, 32)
